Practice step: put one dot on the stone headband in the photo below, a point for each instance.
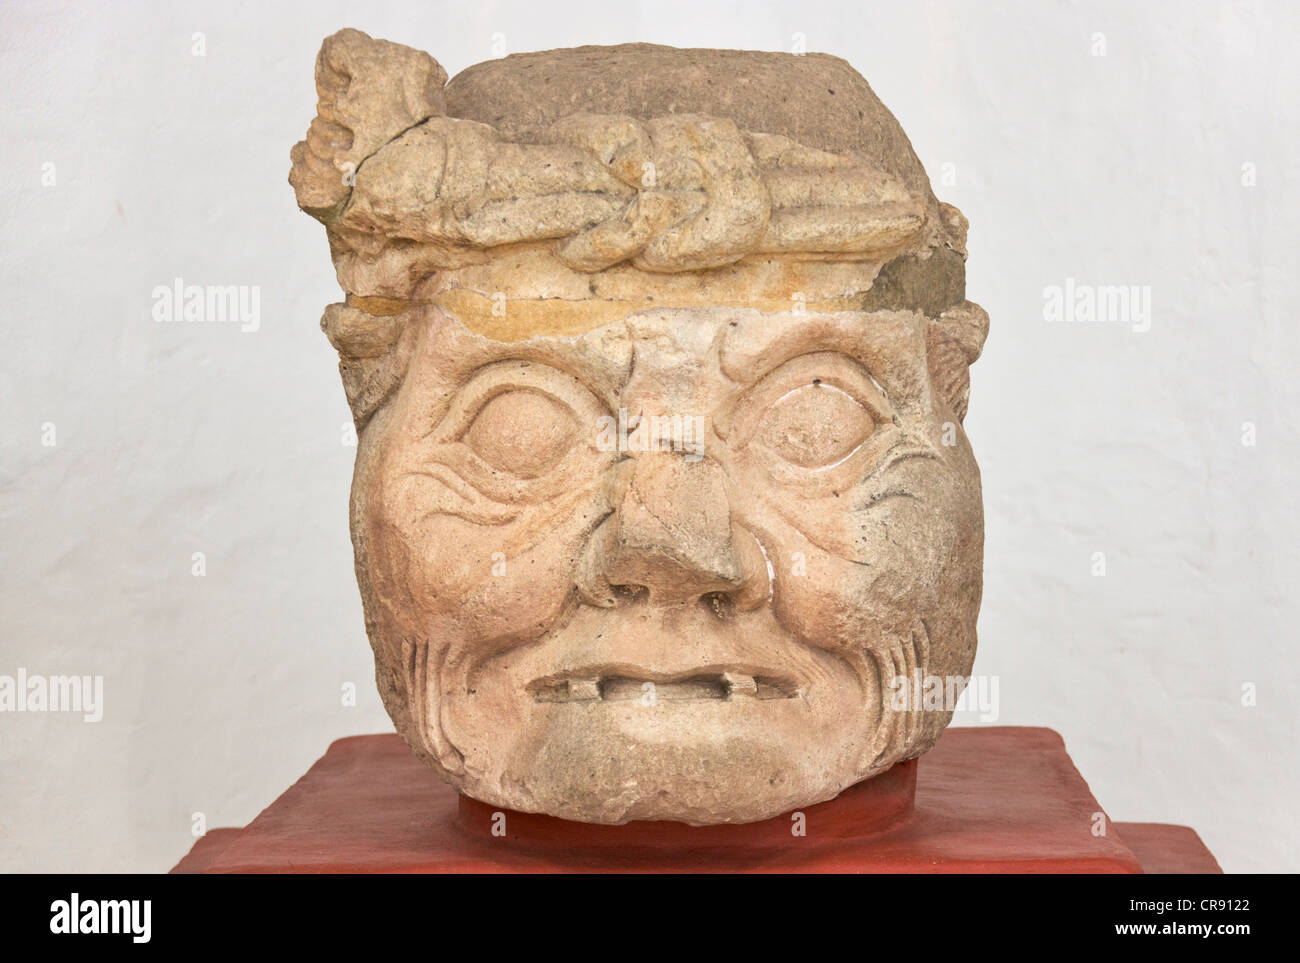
(419, 207)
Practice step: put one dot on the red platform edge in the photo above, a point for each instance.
(986, 799)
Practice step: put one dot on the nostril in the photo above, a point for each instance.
(719, 603)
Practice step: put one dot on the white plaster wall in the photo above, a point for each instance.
(1125, 168)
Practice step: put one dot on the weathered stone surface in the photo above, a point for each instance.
(658, 360)
(815, 100)
(353, 120)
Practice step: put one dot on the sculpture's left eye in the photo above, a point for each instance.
(815, 426)
(522, 432)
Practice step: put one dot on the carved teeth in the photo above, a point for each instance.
(740, 685)
(720, 687)
(584, 690)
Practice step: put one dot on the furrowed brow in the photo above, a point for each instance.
(890, 344)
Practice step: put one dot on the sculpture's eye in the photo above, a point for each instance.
(815, 426)
(522, 432)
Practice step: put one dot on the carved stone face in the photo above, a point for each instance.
(661, 483)
(682, 633)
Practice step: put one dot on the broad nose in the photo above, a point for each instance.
(672, 531)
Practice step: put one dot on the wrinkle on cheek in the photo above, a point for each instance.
(532, 592)
(903, 539)
(854, 597)
(505, 585)
(834, 609)
(882, 536)
(824, 606)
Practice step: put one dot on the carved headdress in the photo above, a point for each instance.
(670, 164)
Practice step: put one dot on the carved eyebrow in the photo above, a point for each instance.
(829, 367)
(506, 374)
(890, 345)
(749, 351)
(602, 375)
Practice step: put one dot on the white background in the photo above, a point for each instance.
(1125, 168)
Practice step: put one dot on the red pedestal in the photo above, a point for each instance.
(984, 800)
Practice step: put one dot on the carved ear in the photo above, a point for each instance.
(953, 343)
(372, 356)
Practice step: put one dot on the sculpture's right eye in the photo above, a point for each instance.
(522, 432)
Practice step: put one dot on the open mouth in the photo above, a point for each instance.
(711, 686)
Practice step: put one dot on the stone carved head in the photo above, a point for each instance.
(658, 360)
